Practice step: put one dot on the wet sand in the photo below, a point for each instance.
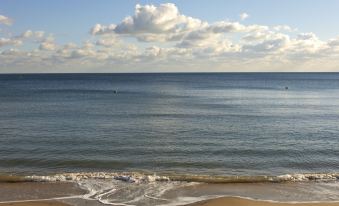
(37, 190)
(37, 193)
(23, 191)
(235, 201)
(224, 201)
(42, 203)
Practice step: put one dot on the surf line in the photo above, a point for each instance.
(47, 199)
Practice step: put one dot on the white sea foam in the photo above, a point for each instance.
(126, 177)
(134, 188)
(134, 177)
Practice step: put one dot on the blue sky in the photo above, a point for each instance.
(71, 20)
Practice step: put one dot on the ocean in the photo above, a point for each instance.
(179, 128)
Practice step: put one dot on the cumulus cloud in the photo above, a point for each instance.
(283, 28)
(243, 16)
(226, 27)
(160, 36)
(334, 42)
(32, 34)
(152, 23)
(307, 36)
(255, 36)
(48, 44)
(99, 29)
(9, 42)
(5, 20)
(275, 43)
(108, 41)
(308, 43)
(151, 19)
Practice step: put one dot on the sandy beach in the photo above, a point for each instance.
(39, 194)
(224, 201)
(235, 201)
(27, 192)
(42, 203)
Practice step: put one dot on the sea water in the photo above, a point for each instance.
(213, 126)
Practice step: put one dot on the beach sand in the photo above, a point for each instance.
(42, 203)
(22, 191)
(38, 192)
(224, 201)
(235, 201)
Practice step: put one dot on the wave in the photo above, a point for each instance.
(137, 177)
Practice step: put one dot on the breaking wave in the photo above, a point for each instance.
(135, 177)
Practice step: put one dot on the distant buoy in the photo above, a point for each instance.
(286, 88)
(115, 91)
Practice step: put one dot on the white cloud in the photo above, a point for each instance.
(108, 41)
(308, 43)
(277, 43)
(257, 28)
(283, 28)
(99, 29)
(226, 27)
(48, 44)
(307, 36)
(161, 37)
(152, 19)
(32, 34)
(10, 52)
(334, 42)
(151, 23)
(9, 42)
(255, 36)
(243, 16)
(5, 20)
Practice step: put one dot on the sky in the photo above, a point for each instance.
(59, 36)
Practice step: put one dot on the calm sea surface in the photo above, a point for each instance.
(213, 124)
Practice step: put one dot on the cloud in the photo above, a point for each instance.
(151, 19)
(283, 28)
(152, 23)
(207, 43)
(226, 27)
(32, 34)
(48, 44)
(334, 42)
(161, 37)
(108, 41)
(99, 29)
(255, 36)
(272, 43)
(9, 42)
(243, 16)
(307, 36)
(5, 20)
(308, 43)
